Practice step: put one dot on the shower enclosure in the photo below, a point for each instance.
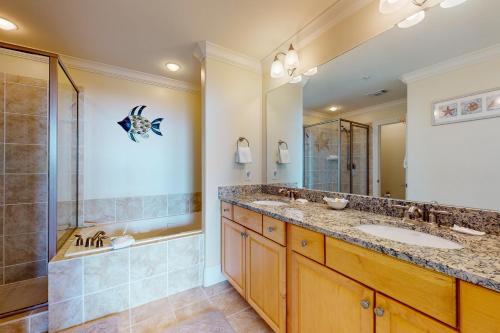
(336, 156)
(38, 171)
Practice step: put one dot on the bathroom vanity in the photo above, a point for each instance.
(307, 268)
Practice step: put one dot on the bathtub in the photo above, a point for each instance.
(143, 231)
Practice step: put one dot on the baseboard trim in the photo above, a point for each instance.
(213, 275)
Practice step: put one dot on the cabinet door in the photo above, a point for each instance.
(266, 279)
(479, 309)
(394, 317)
(323, 301)
(233, 254)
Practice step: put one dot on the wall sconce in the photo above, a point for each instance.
(289, 63)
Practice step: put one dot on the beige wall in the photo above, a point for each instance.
(392, 154)
(454, 163)
(231, 108)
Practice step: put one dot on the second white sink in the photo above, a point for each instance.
(407, 236)
(269, 203)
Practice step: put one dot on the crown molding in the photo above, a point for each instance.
(452, 64)
(210, 50)
(128, 74)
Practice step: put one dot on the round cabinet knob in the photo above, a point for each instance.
(303, 243)
(270, 229)
(226, 210)
(379, 312)
(365, 304)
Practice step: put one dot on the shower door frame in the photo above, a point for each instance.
(54, 61)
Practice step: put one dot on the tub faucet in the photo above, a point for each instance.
(97, 236)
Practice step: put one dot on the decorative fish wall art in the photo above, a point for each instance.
(135, 124)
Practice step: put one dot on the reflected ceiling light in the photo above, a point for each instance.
(7, 25)
(296, 79)
(290, 63)
(311, 71)
(451, 3)
(173, 67)
(334, 108)
(412, 20)
(391, 6)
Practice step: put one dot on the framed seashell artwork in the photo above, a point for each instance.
(466, 108)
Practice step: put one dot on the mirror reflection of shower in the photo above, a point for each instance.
(336, 156)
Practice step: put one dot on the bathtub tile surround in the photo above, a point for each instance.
(115, 282)
(32, 321)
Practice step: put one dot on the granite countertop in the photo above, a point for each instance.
(477, 262)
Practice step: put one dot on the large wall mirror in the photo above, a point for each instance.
(410, 114)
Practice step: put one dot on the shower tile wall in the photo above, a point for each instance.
(23, 179)
(359, 158)
(320, 152)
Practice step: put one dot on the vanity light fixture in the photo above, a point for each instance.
(391, 6)
(7, 25)
(311, 71)
(289, 63)
(296, 79)
(173, 67)
(412, 20)
(451, 3)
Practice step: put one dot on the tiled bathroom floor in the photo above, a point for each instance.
(218, 308)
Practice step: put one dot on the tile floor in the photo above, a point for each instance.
(218, 308)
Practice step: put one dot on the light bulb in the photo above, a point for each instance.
(311, 71)
(333, 108)
(451, 3)
(291, 58)
(7, 25)
(391, 6)
(296, 79)
(412, 20)
(277, 69)
(173, 67)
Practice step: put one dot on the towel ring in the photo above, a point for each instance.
(281, 142)
(241, 139)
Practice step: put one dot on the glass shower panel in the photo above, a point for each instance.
(321, 156)
(24, 90)
(359, 165)
(345, 156)
(67, 157)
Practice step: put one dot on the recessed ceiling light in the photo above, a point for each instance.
(311, 71)
(334, 108)
(451, 3)
(412, 20)
(7, 25)
(173, 67)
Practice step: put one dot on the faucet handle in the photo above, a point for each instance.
(79, 240)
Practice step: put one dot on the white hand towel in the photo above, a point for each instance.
(283, 156)
(244, 155)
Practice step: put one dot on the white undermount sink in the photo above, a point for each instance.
(407, 236)
(269, 203)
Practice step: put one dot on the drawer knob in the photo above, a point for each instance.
(270, 229)
(365, 304)
(379, 312)
(303, 243)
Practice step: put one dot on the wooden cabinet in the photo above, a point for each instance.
(266, 279)
(226, 210)
(394, 317)
(247, 218)
(323, 301)
(233, 254)
(479, 309)
(308, 243)
(274, 230)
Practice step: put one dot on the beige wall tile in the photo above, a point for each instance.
(106, 302)
(25, 158)
(25, 271)
(67, 213)
(106, 270)
(26, 129)
(25, 99)
(25, 248)
(25, 188)
(25, 218)
(183, 279)
(65, 279)
(129, 209)
(21, 79)
(178, 204)
(155, 206)
(148, 260)
(183, 252)
(2, 151)
(99, 210)
(39, 323)
(18, 326)
(147, 290)
(65, 314)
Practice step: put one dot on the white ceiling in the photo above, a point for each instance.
(144, 34)
(444, 34)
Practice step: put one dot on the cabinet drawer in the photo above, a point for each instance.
(479, 309)
(308, 243)
(247, 218)
(274, 230)
(430, 292)
(226, 210)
